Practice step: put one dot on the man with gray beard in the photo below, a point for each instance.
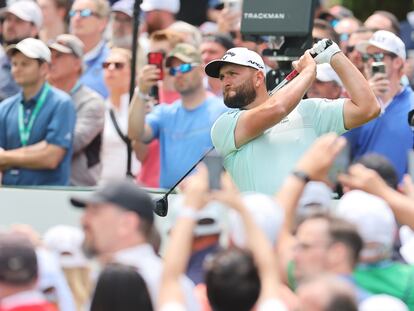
(121, 23)
(262, 138)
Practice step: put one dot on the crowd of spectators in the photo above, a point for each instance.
(287, 230)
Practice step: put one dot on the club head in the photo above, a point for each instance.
(161, 206)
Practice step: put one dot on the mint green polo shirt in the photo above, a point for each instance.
(262, 164)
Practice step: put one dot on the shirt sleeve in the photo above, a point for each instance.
(327, 115)
(222, 132)
(154, 120)
(61, 127)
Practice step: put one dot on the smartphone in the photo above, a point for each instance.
(377, 67)
(214, 163)
(157, 59)
(340, 165)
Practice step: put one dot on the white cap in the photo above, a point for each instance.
(209, 219)
(238, 56)
(66, 242)
(384, 40)
(172, 6)
(32, 48)
(382, 303)
(315, 193)
(372, 216)
(124, 6)
(26, 10)
(265, 213)
(325, 73)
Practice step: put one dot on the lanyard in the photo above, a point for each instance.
(75, 88)
(23, 130)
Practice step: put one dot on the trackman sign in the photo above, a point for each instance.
(264, 15)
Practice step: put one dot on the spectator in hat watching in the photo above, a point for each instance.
(183, 127)
(159, 14)
(65, 71)
(327, 83)
(386, 135)
(264, 135)
(117, 222)
(122, 27)
(88, 20)
(22, 19)
(18, 276)
(36, 125)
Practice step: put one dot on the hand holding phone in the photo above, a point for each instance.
(157, 59)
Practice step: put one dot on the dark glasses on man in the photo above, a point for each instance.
(378, 57)
(82, 13)
(183, 68)
(115, 65)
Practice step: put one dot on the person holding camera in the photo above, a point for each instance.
(183, 127)
(389, 135)
(263, 136)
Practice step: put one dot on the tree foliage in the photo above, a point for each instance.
(364, 8)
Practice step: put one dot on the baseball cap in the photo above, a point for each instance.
(184, 52)
(32, 48)
(26, 10)
(325, 73)
(382, 302)
(316, 197)
(209, 219)
(66, 242)
(264, 211)
(238, 56)
(68, 44)
(18, 261)
(372, 216)
(172, 6)
(124, 6)
(123, 193)
(384, 40)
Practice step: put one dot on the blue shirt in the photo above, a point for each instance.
(8, 86)
(184, 135)
(388, 135)
(54, 123)
(92, 76)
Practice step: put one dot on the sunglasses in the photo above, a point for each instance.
(183, 68)
(378, 57)
(82, 13)
(116, 65)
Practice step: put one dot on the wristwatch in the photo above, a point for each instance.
(302, 176)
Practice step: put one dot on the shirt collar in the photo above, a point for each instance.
(94, 52)
(35, 98)
(129, 256)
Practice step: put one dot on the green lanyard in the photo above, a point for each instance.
(23, 130)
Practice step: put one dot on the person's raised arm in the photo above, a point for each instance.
(365, 179)
(137, 128)
(253, 122)
(179, 246)
(362, 106)
(314, 165)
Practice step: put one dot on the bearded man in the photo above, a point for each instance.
(263, 136)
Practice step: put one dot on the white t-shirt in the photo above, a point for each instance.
(114, 150)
